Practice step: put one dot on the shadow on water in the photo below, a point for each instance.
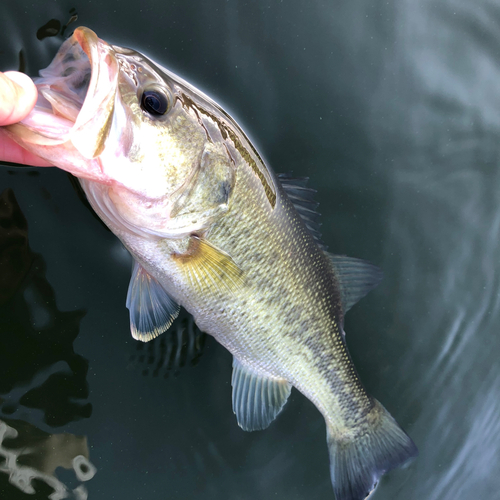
(167, 354)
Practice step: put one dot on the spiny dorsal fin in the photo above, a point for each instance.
(209, 268)
(356, 278)
(257, 398)
(151, 309)
(302, 198)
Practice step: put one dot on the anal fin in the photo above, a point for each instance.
(257, 398)
(151, 309)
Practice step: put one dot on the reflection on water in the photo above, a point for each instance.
(29, 456)
(38, 370)
(54, 27)
(38, 366)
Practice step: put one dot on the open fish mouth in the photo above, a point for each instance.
(63, 86)
(76, 96)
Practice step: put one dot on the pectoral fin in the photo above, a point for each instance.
(257, 398)
(152, 310)
(209, 268)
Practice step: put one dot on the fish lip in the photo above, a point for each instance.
(98, 106)
(88, 40)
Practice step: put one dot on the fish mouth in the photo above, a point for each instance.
(76, 95)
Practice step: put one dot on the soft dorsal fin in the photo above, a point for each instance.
(302, 198)
(152, 310)
(356, 278)
(257, 398)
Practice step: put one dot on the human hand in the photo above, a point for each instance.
(18, 96)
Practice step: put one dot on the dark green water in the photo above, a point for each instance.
(393, 111)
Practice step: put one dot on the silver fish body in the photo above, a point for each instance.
(214, 230)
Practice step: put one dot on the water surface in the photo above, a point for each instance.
(393, 111)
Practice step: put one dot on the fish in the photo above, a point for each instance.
(213, 229)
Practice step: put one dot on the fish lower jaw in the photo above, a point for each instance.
(37, 131)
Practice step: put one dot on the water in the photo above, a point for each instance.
(392, 109)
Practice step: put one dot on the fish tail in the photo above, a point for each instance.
(358, 461)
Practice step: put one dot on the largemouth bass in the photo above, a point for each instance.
(213, 229)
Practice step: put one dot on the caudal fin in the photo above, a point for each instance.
(357, 462)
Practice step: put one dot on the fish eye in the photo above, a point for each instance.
(155, 102)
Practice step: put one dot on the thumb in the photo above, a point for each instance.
(18, 95)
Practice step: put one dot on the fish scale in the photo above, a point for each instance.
(294, 268)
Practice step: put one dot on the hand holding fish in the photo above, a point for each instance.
(18, 96)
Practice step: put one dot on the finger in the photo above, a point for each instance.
(18, 95)
(11, 151)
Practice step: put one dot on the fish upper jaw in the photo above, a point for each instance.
(94, 120)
